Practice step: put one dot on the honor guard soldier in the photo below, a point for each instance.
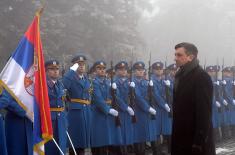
(105, 130)
(216, 106)
(227, 96)
(233, 104)
(18, 128)
(172, 70)
(145, 126)
(162, 101)
(3, 147)
(126, 112)
(56, 95)
(79, 88)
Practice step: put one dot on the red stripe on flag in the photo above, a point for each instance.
(40, 87)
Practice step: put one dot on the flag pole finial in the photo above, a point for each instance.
(40, 10)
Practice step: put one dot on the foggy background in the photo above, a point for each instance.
(113, 29)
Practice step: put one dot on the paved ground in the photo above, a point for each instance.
(226, 147)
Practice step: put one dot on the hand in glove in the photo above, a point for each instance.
(74, 67)
(114, 85)
(130, 111)
(167, 82)
(217, 104)
(167, 108)
(132, 84)
(152, 111)
(225, 102)
(151, 83)
(224, 82)
(216, 83)
(113, 112)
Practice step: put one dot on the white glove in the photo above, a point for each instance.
(217, 104)
(223, 82)
(114, 85)
(152, 111)
(216, 83)
(74, 67)
(151, 83)
(132, 84)
(225, 102)
(234, 83)
(113, 112)
(130, 111)
(167, 82)
(167, 108)
(234, 102)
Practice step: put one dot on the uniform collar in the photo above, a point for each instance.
(51, 82)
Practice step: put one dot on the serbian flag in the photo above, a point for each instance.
(24, 78)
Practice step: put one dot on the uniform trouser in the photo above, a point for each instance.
(118, 150)
(216, 133)
(79, 151)
(232, 128)
(225, 131)
(154, 147)
(104, 150)
(139, 148)
(168, 142)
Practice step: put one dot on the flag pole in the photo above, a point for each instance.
(71, 143)
(58, 146)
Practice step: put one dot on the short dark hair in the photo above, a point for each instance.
(190, 48)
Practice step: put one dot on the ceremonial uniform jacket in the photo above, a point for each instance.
(104, 129)
(58, 117)
(123, 102)
(79, 108)
(145, 127)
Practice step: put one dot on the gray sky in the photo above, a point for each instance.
(210, 25)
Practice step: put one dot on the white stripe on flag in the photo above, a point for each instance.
(13, 76)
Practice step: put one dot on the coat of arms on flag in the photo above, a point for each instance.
(24, 78)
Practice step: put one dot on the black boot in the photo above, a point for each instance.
(225, 132)
(232, 129)
(139, 148)
(217, 135)
(169, 144)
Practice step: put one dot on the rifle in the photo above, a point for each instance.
(223, 87)
(217, 93)
(132, 95)
(63, 70)
(114, 99)
(150, 88)
(233, 69)
(167, 91)
(204, 67)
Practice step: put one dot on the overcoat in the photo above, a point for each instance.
(3, 147)
(192, 112)
(104, 131)
(58, 117)
(125, 118)
(79, 114)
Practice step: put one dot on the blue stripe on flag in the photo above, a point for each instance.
(24, 54)
(37, 124)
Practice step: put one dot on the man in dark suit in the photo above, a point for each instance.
(192, 105)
